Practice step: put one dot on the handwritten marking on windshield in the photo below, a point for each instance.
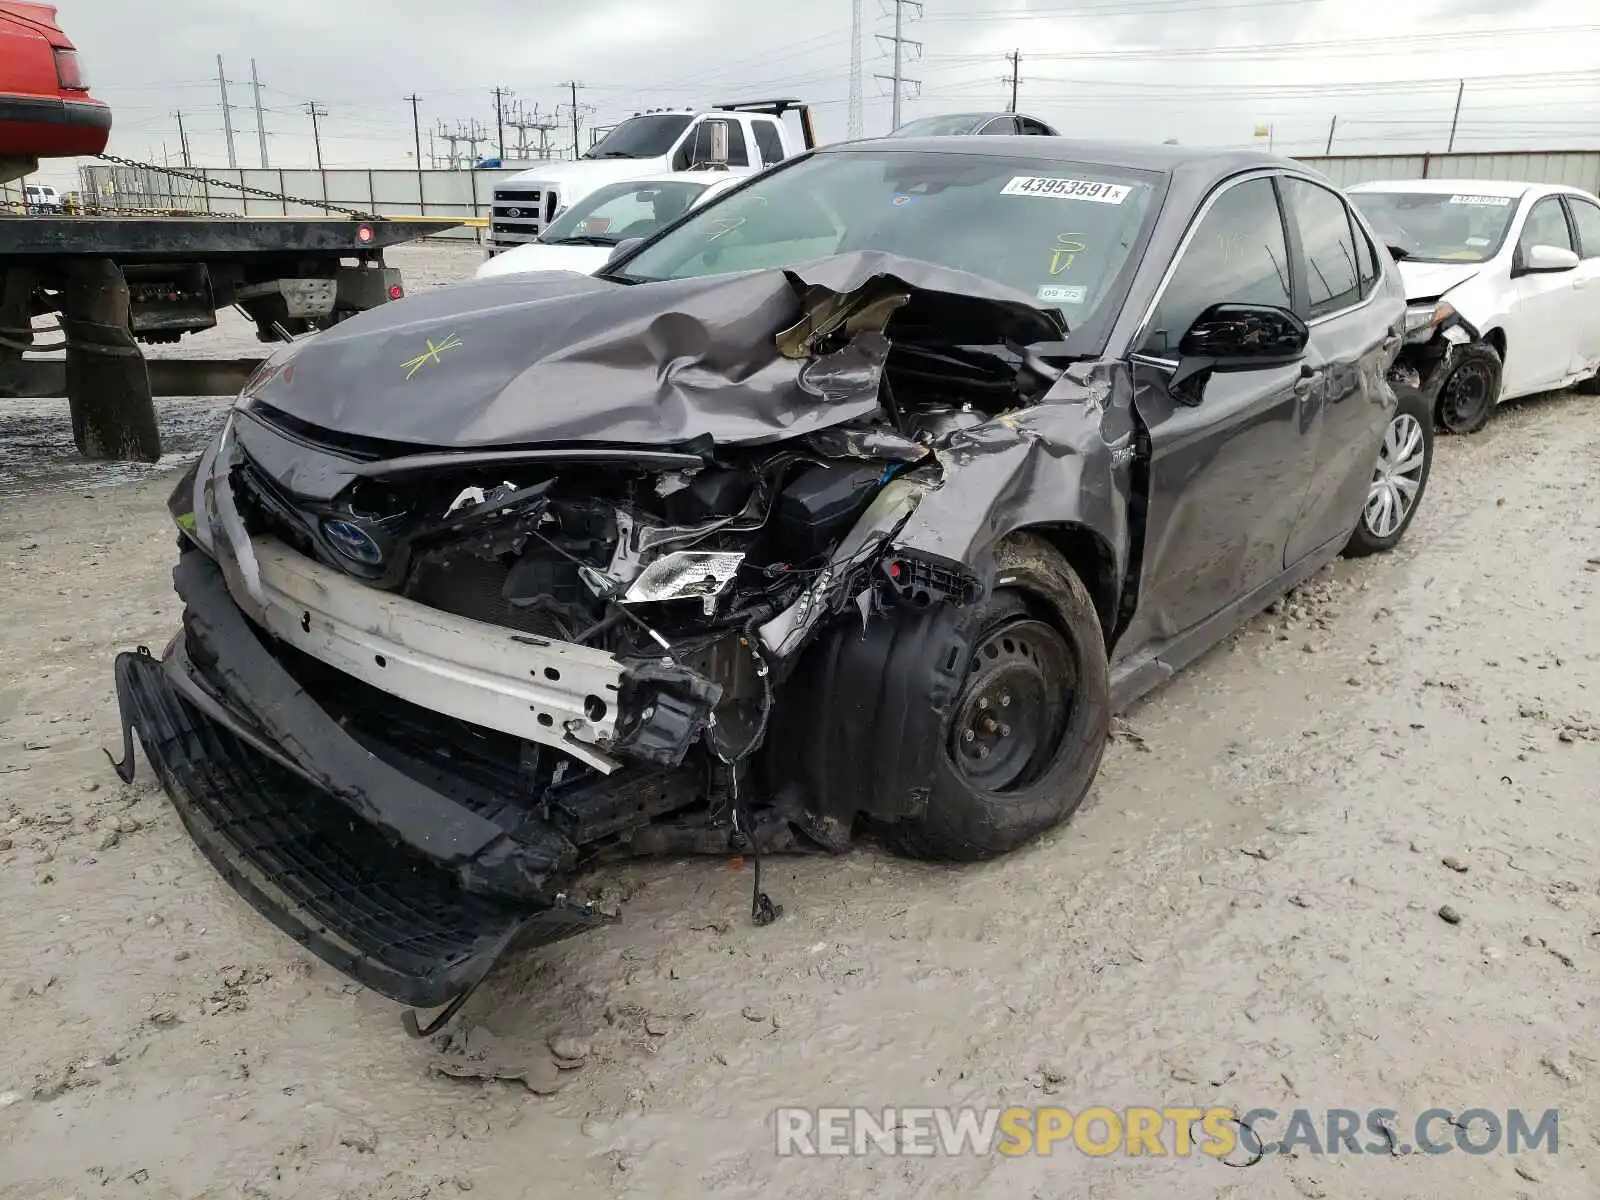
(1067, 248)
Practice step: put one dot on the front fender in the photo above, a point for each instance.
(1067, 461)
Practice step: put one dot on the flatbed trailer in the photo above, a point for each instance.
(117, 282)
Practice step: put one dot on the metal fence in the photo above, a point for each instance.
(1576, 168)
(463, 194)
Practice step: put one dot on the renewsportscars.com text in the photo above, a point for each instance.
(1099, 1131)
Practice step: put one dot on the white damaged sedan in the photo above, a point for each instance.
(1503, 284)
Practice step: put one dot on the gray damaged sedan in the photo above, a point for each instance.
(857, 500)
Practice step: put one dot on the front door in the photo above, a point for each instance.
(1226, 466)
(1544, 327)
(1355, 329)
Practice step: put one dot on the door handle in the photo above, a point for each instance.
(1579, 284)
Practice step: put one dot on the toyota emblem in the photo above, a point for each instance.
(513, 212)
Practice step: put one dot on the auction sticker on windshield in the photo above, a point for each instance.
(1051, 294)
(1492, 201)
(1067, 189)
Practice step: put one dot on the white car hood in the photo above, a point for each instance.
(534, 256)
(593, 172)
(1425, 279)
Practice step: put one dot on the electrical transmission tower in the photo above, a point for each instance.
(854, 126)
(898, 80)
(466, 133)
(541, 125)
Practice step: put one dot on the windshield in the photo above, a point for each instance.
(642, 137)
(940, 126)
(1058, 232)
(1439, 226)
(621, 210)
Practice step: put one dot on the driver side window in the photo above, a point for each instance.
(1238, 253)
(1547, 226)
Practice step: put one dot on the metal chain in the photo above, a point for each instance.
(242, 187)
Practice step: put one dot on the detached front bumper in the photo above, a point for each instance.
(385, 867)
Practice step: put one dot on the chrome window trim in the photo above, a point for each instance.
(1143, 328)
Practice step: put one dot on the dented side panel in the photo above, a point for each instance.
(1063, 464)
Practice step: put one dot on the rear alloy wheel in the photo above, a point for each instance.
(1471, 390)
(1399, 478)
(1027, 726)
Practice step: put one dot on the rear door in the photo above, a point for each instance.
(1586, 222)
(1227, 470)
(1546, 325)
(1355, 329)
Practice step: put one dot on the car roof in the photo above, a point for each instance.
(1137, 156)
(1475, 187)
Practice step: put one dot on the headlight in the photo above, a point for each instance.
(1423, 320)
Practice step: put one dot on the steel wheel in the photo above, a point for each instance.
(1014, 707)
(1467, 397)
(1397, 478)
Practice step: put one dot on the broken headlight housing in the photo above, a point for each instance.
(1424, 320)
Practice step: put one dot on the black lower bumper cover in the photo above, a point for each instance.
(381, 914)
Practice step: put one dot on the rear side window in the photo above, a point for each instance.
(698, 148)
(1333, 278)
(1237, 254)
(769, 140)
(1586, 215)
(1366, 257)
(1000, 125)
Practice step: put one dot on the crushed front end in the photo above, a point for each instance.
(417, 690)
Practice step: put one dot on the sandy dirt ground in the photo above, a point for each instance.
(1246, 912)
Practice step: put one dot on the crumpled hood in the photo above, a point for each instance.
(1424, 280)
(559, 357)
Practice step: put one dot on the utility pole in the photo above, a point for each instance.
(183, 139)
(898, 80)
(1332, 125)
(853, 123)
(1456, 118)
(1015, 59)
(416, 128)
(574, 85)
(227, 116)
(500, 94)
(316, 110)
(261, 126)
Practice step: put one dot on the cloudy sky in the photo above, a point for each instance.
(1202, 71)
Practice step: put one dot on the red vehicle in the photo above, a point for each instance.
(45, 107)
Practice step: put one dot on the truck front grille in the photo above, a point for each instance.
(520, 214)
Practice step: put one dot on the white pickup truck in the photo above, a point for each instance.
(648, 144)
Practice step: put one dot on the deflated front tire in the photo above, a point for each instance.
(1026, 728)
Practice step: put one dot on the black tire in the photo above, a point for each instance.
(1372, 535)
(1038, 635)
(1590, 386)
(1469, 393)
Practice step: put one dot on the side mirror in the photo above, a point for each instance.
(1541, 259)
(625, 246)
(1239, 337)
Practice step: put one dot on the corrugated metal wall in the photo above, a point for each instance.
(1577, 168)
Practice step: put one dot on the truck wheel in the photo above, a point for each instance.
(1399, 478)
(1024, 734)
(1469, 393)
